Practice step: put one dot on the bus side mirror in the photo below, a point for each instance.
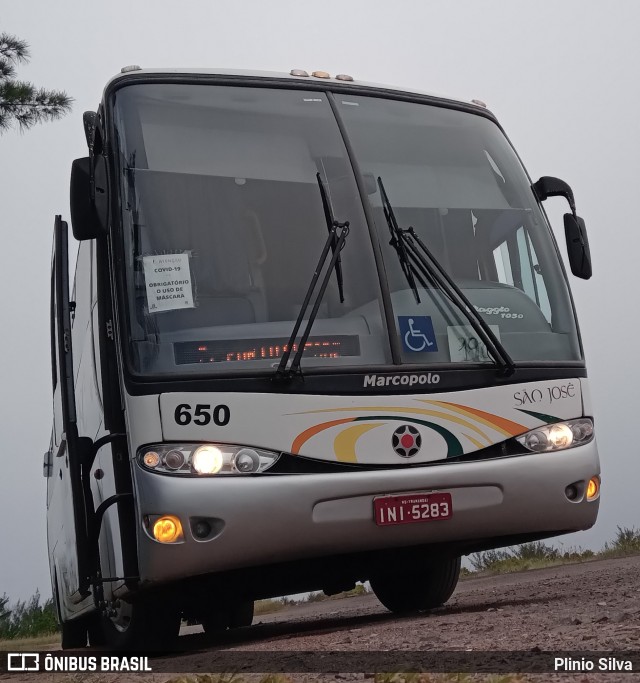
(577, 246)
(548, 186)
(89, 204)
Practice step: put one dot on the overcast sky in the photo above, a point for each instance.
(561, 76)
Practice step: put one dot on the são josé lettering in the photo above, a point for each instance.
(538, 395)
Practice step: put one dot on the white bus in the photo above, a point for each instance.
(320, 333)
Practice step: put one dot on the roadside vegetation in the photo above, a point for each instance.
(538, 554)
(276, 604)
(33, 618)
(27, 619)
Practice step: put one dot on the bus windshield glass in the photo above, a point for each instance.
(454, 179)
(223, 224)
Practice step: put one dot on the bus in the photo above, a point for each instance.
(320, 333)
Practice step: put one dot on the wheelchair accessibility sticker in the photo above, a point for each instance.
(417, 333)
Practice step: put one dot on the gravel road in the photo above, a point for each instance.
(581, 608)
(593, 606)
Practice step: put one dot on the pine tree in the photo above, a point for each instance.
(22, 102)
(5, 614)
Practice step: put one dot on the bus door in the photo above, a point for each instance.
(68, 520)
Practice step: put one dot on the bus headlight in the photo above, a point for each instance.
(207, 460)
(558, 436)
(201, 460)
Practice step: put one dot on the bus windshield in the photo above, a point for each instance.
(221, 183)
(454, 178)
(223, 225)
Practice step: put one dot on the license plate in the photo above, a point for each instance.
(412, 507)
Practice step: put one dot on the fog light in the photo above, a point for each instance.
(167, 529)
(593, 488)
(571, 492)
(207, 460)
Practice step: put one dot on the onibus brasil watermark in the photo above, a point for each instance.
(35, 661)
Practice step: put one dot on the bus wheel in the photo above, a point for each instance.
(143, 625)
(405, 592)
(74, 634)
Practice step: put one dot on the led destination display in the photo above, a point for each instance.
(269, 348)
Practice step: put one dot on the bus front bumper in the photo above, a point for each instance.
(272, 519)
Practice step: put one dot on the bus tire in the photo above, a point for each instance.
(74, 634)
(143, 625)
(96, 631)
(406, 593)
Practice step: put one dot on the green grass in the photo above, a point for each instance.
(267, 606)
(35, 642)
(627, 542)
(538, 555)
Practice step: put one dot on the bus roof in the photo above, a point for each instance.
(137, 71)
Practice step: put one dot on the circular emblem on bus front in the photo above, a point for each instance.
(406, 441)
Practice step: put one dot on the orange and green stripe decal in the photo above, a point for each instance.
(404, 410)
(344, 444)
(500, 424)
(454, 447)
(312, 431)
(549, 419)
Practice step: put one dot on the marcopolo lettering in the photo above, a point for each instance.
(400, 380)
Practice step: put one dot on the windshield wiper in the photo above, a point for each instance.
(425, 267)
(397, 242)
(334, 242)
(328, 216)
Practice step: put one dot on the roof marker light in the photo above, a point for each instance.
(344, 77)
(131, 67)
(321, 74)
(480, 103)
(299, 72)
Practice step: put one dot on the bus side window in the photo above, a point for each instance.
(525, 273)
(53, 330)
